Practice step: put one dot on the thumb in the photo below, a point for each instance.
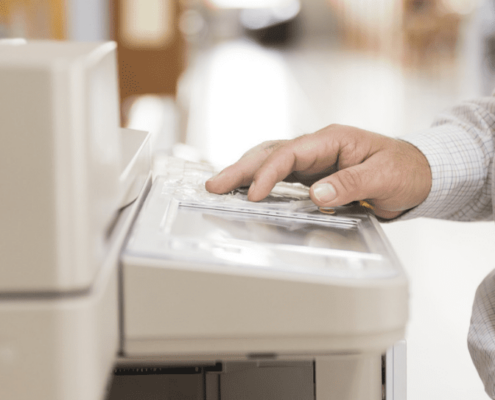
(350, 184)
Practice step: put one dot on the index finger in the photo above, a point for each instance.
(242, 172)
(309, 153)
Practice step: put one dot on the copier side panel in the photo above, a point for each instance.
(176, 311)
(61, 348)
(28, 199)
(60, 162)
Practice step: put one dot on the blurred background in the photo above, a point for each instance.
(211, 78)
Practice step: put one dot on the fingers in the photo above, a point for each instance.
(241, 173)
(273, 170)
(309, 158)
(394, 178)
(359, 182)
(308, 179)
(348, 164)
(227, 180)
(308, 155)
(352, 184)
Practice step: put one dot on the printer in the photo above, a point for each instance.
(116, 283)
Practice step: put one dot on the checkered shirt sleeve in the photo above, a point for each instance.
(460, 149)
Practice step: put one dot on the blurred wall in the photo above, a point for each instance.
(151, 47)
(33, 19)
(88, 20)
(84, 20)
(318, 18)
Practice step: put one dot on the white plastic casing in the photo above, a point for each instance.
(209, 277)
(60, 162)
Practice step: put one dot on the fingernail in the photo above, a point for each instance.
(325, 192)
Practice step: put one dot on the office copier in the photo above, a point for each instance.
(116, 284)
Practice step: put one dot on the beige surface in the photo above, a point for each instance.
(61, 229)
(349, 377)
(60, 162)
(175, 311)
(62, 348)
(66, 345)
(136, 161)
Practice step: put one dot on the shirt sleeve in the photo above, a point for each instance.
(459, 148)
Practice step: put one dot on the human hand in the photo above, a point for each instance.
(341, 164)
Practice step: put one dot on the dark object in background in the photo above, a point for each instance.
(256, 379)
(275, 35)
(272, 25)
(157, 383)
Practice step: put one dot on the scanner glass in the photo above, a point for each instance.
(285, 233)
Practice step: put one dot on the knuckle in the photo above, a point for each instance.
(265, 147)
(303, 137)
(268, 143)
(334, 133)
(350, 147)
(350, 179)
(271, 145)
(328, 130)
(337, 128)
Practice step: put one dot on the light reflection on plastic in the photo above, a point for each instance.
(238, 255)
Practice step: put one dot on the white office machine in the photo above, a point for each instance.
(114, 285)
